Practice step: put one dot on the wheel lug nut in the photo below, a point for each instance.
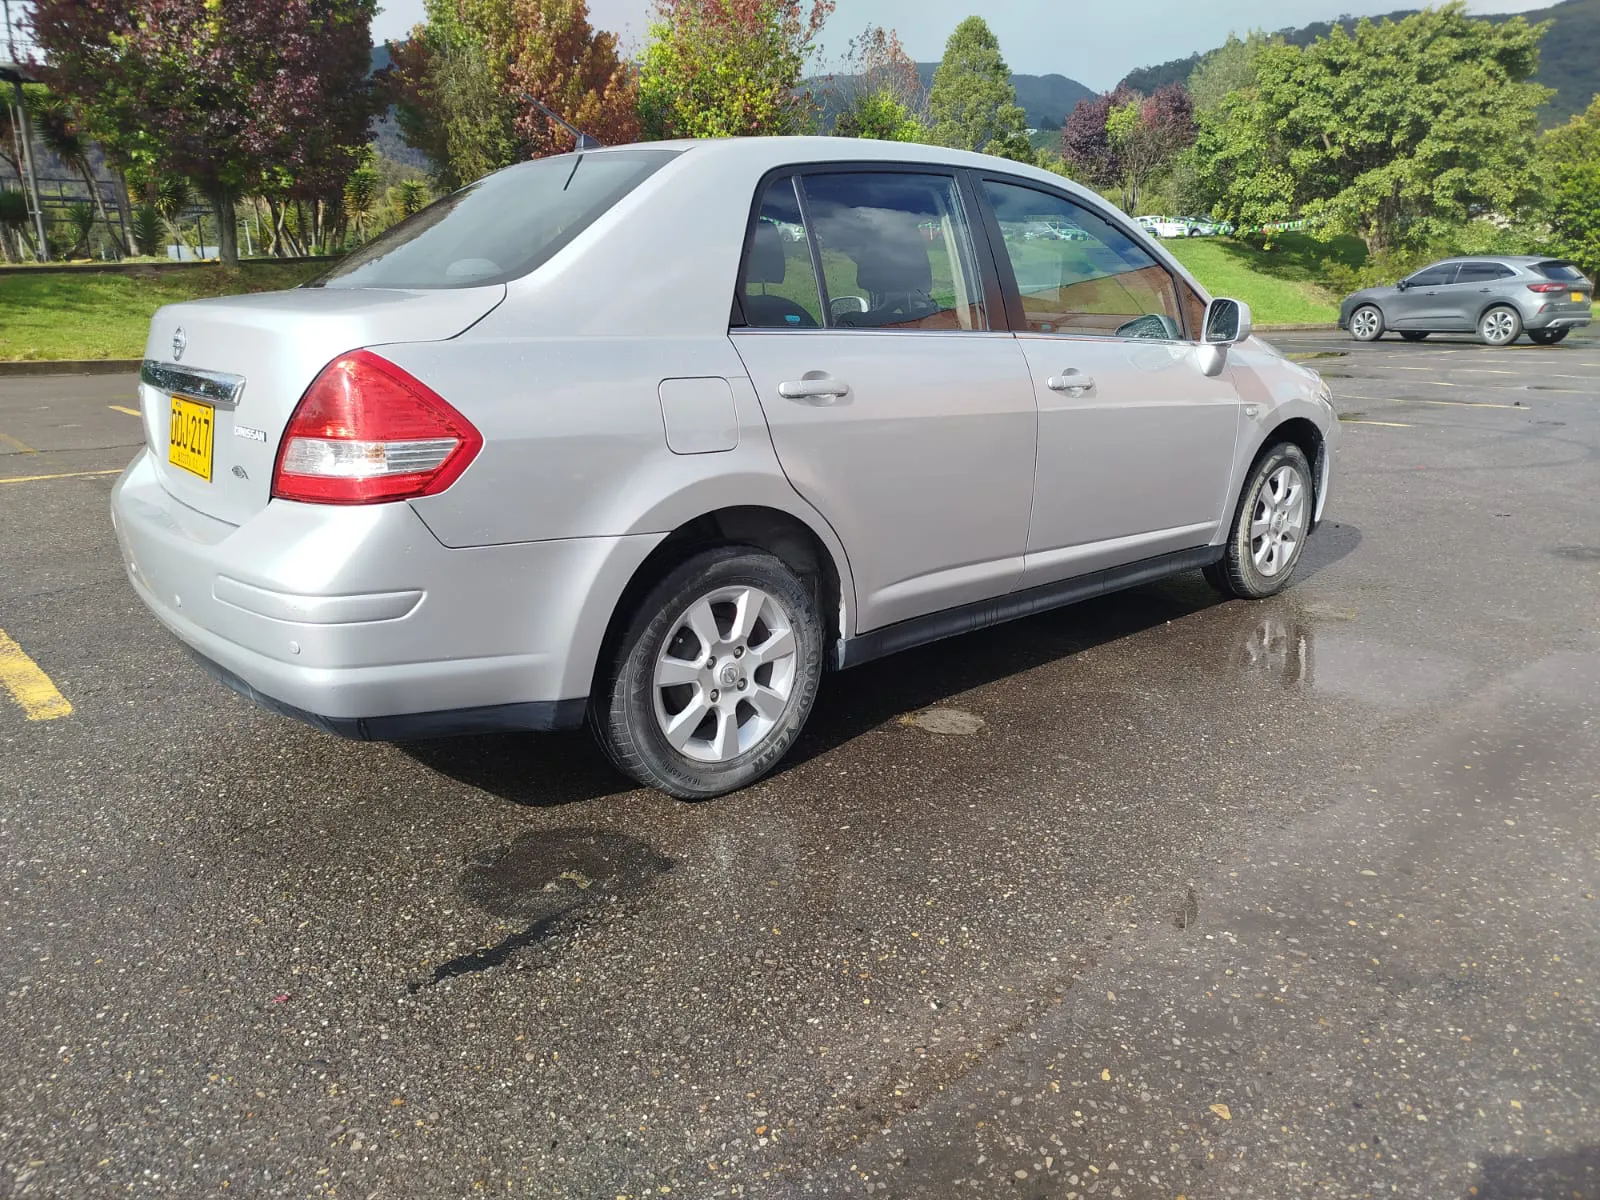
(715, 695)
(743, 683)
(711, 662)
(739, 653)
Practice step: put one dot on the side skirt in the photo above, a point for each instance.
(953, 622)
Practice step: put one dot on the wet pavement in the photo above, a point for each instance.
(1153, 897)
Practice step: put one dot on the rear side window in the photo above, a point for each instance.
(1102, 284)
(501, 227)
(1563, 271)
(896, 251)
(1483, 272)
(779, 290)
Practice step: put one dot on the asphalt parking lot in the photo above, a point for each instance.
(1296, 898)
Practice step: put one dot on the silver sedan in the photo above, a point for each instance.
(653, 436)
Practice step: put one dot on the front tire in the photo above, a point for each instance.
(1270, 527)
(1366, 323)
(1547, 337)
(1500, 326)
(715, 676)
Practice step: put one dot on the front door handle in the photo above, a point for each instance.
(1072, 381)
(818, 387)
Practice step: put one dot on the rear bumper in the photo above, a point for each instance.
(1557, 320)
(358, 621)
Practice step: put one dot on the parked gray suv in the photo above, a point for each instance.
(1501, 298)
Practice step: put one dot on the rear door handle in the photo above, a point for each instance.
(814, 388)
(1072, 381)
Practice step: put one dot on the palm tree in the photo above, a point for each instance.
(57, 127)
(14, 218)
(81, 217)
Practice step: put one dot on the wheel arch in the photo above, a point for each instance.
(806, 551)
(1313, 443)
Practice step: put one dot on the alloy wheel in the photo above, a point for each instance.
(1366, 324)
(1278, 524)
(725, 674)
(1499, 327)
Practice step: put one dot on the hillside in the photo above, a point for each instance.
(1047, 99)
(1569, 60)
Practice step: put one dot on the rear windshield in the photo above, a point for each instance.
(502, 226)
(1563, 271)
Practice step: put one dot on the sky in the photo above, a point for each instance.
(1094, 43)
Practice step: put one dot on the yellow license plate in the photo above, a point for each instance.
(1578, 297)
(189, 446)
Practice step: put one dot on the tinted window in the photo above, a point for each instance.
(501, 227)
(1563, 271)
(896, 251)
(1100, 284)
(1434, 276)
(1483, 272)
(779, 290)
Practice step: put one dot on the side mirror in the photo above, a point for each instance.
(1227, 322)
(1402, 284)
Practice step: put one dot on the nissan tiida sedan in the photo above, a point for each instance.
(1498, 298)
(651, 437)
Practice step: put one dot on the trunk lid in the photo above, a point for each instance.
(247, 360)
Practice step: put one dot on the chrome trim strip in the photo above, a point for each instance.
(216, 386)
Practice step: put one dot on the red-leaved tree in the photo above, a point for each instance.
(1122, 139)
(231, 94)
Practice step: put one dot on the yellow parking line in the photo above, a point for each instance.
(17, 447)
(63, 475)
(1385, 424)
(29, 686)
(132, 412)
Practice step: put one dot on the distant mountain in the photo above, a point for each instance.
(1569, 59)
(1047, 99)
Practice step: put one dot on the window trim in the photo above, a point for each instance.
(997, 316)
(1015, 314)
(1501, 271)
(1451, 282)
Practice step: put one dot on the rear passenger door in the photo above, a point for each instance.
(1473, 291)
(897, 408)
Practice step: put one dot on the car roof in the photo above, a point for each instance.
(1514, 260)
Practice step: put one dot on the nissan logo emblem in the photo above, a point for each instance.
(180, 342)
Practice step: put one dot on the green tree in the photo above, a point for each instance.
(413, 197)
(972, 104)
(1231, 67)
(222, 92)
(148, 229)
(729, 68)
(361, 195)
(14, 220)
(1390, 132)
(1568, 169)
(882, 90)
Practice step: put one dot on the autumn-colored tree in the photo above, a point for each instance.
(729, 68)
(220, 91)
(459, 82)
(1122, 139)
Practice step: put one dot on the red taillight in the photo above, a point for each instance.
(367, 432)
(1548, 287)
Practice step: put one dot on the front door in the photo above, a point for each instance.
(894, 409)
(1136, 445)
(1428, 300)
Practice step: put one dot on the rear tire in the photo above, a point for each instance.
(1547, 337)
(1366, 323)
(1270, 527)
(715, 676)
(1413, 336)
(1500, 326)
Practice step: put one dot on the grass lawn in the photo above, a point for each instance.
(71, 315)
(1282, 286)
